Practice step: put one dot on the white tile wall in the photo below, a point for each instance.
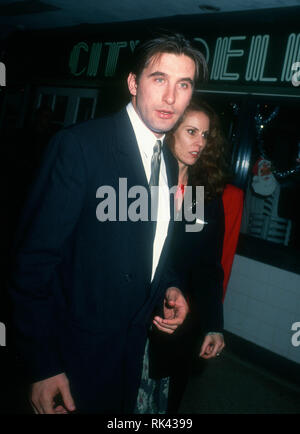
(261, 304)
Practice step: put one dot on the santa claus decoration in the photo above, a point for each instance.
(263, 182)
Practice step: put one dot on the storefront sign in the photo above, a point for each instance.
(2, 74)
(233, 59)
(2, 335)
(296, 75)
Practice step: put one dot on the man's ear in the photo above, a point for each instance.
(132, 85)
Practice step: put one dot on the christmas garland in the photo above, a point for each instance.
(260, 124)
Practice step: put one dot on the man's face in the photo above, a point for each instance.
(163, 91)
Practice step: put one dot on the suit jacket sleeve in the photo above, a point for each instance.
(233, 203)
(50, 216)
(205, 277)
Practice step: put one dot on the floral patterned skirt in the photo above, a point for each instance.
(153, 394)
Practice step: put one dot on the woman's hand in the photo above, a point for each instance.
(212, 345)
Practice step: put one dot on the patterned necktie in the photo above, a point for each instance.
(154, 179)
(155, 164)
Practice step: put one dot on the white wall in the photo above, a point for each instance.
(261, 304)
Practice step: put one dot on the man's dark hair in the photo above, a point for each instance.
(167, 42)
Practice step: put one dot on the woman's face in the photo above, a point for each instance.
(190, 138)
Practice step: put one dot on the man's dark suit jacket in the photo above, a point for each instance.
(82, 291)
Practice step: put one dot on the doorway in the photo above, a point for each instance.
(69, 105)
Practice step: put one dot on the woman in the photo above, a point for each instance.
(199, 147)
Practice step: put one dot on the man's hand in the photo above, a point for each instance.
(212, 346)
(175, 311)
(43, 394)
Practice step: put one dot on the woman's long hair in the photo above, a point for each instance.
(211, 169)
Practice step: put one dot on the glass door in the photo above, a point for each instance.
(233, 111)
(69, 105)
(272, 209)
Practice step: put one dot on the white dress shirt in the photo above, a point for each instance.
(146, 141)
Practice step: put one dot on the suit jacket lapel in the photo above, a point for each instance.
(172, 174)
(126, 151)
(129, 165)
(128, 158)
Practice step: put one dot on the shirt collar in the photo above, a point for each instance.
(146, 139)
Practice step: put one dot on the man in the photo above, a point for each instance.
(84, 289)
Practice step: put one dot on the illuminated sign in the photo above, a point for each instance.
(296, 336)
(240, 58)
(2, 335)
(296, 75)
(2, 74)
(94, 54)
